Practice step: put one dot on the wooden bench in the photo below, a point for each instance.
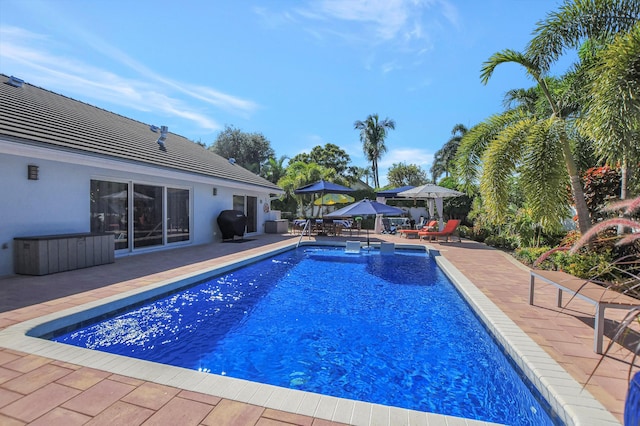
(595, 294)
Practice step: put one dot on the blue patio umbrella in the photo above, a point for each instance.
(323, 187)
(365, 207)
(393, 193)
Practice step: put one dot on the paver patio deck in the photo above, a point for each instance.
(38, 390)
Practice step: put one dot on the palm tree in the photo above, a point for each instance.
(274, 169)
(299, 174)
(598, 21)
(550, 133)
(612, 116)
(359, 173)
(539, 143)
(443, 158)
(524, 140)
(373, 132)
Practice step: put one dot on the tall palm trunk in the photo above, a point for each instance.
(584, 221)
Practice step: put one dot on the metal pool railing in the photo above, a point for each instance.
(306, 226)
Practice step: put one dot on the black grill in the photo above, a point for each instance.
(232, 223)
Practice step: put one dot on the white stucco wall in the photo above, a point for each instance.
(58, 203)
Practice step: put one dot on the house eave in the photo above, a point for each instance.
(38, 150)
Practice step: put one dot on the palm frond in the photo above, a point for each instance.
(507, 56)
(613, 104)
(500, 160)
(544, 175)
(576, 21)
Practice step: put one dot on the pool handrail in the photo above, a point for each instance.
(306, 226)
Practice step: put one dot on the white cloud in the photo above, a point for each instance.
(399, 29)
(419, 157)
(386, 20)
(33, 56)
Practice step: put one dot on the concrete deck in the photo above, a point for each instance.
(40, 390)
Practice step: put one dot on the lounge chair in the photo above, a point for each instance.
(388, 227)
(448, 231)
(428, 227)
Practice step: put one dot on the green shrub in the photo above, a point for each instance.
(508, 242)
(585, 264)
(464, 231)
(528, 255)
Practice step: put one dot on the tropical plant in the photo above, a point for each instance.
(358, 173)
(546, 139)
(612, 81)
(612, 117)
(299, 174)
(274, 169)
(444, 158)
(523, 140)
(540, 144)
(601, 187)
(373, 132)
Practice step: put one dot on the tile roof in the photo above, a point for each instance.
(30, 114)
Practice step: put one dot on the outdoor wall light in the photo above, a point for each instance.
(32, 172)
(215, 191)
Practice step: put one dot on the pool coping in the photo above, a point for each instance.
(572, 403)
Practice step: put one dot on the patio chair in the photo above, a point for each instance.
(414, 232)
(388, 228)
(448, 230)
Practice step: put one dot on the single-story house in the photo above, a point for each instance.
(68, 167)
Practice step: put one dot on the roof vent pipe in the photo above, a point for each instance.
(163, 136)
(15, 82)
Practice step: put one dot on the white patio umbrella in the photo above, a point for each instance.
(432, 193)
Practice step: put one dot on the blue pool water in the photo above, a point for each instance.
(387, 329)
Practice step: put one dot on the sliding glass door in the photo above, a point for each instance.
(177, 215)
(147, 214)
(248, 206)
(109, 210)
(140, 215)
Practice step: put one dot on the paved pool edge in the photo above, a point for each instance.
(560, 393)
(574, 404)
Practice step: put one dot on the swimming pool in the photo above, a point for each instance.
(390, 337)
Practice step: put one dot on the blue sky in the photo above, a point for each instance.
(299, 72)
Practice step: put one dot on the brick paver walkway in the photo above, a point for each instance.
(41, 391)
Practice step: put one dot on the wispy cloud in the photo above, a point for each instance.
(419, 157)
(398, 27)
(35, 55)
